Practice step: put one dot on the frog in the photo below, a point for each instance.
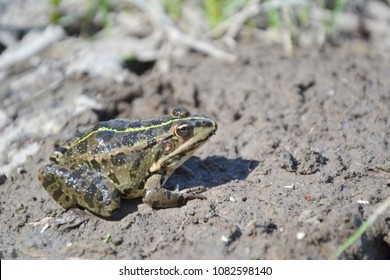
(125, 159)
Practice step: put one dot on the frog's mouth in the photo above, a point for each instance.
(181, 154)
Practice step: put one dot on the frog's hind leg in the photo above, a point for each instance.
(80, 187)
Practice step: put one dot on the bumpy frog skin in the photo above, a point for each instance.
(126, 159)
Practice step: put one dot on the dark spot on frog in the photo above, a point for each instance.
(105, 136)
(181, 201)
(203, 124)
(135, 124)
(133, 174)
(89, 200)
(95, 165)
(93, 194)
(141, 186)
(150, 134)
(69, 153)
(136, 162)
(74, 178)
(104, 162)
(113, 178)
(156, 204)
(96, 181)
(152, 142)
(77, 183)
(92, 189)
(118, 159)
(82, 147)
(129, 139)
(47, 180)
(57, 194)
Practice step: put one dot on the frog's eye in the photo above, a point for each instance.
(180, 112)
(184, 131)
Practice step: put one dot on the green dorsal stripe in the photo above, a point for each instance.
(141, 128)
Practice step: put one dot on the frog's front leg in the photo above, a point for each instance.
(80, 186)
(158, 197)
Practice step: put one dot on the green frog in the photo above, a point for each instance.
(126, 159)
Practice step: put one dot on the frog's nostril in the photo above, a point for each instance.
(215, 126)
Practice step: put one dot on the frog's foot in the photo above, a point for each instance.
(80, 187)
(163, 198)
(158, 197)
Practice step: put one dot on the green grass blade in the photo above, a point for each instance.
(55, 14)
(339, 6)
(104, 8)
(362, 229)
(273, 18)
(213, 12)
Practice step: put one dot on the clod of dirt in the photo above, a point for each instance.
(310, 161)
(3, 179)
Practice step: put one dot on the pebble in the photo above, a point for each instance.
(301, 235)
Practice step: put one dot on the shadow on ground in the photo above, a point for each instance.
(210, 172)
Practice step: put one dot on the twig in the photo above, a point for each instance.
(12, 57)
(232, 26)
(348, 22)
(240, 227)
(238, 21)
(161, 21)
(182, 224)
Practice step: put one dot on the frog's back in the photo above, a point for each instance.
(111, 135)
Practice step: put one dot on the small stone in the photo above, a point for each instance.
(301, 235)
(363, 201)
(224, 239)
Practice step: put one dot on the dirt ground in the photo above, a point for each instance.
(301, 157)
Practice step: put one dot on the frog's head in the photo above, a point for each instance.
(186, 134)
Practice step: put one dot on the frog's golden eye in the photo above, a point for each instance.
(184, 130)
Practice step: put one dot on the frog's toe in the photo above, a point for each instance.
(194, 190)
